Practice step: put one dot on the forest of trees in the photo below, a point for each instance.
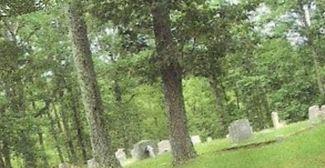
(79, 79)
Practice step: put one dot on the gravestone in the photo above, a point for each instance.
(92, 163)
(120, 156)
(195, 139)
(276, 122)
(240, 130)
(314, 113)
(209, 139)
(164, 146)
(64, 165)
(144, 149)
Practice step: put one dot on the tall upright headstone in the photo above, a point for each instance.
(314, 113)
(240, 130)
(276, 121)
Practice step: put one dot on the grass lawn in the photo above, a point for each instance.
(303, 150)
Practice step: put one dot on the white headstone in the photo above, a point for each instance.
(209, 139)
(92, 163)
(120, 155)
(164, 146)
(275, 120)
(196, 139)
(240, 130)
(314, 113)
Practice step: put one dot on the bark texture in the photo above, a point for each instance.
(100, 139)
(182, 147)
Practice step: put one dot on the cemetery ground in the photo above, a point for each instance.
(298, 145)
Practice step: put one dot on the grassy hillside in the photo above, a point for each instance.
(295, 146)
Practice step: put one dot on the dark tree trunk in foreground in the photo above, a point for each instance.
(100, 139)
(171, 70)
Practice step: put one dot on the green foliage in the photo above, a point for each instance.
(226, 62)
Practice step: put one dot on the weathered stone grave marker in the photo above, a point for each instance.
(196, 139)
(276, 121)
(316, 114)
(120, 156)
(144, 149)
(240, 130)
(164, 146)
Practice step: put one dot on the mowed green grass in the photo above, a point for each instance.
(303, 150)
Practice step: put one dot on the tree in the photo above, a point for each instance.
(171, 72)
(100, 139)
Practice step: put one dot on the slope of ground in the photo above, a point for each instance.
(295, 146)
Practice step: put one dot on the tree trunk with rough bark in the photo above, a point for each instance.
(182, 147)
(100, 139)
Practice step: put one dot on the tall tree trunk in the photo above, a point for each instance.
(55, 135)
(67, 132)
(182, 147)
(119, 104)
(305, 13)
(44, 156)
(100, 139)
(78, 125)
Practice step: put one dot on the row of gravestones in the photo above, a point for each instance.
(239, 131)
(145, 149)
